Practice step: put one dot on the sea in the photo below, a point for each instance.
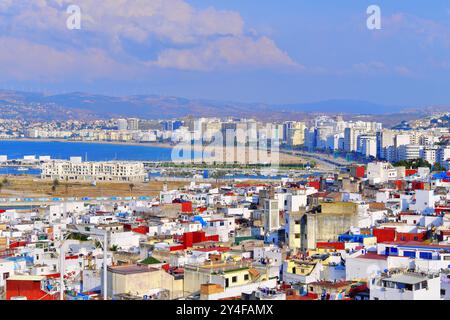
(88, 151)
(91, 152)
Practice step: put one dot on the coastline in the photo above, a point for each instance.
(283, 157)
(144, 144)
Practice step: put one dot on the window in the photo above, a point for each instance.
(234, 279)
(424, 285)
(411, 254)
(5, 275)
(426, 255)
(246, 277)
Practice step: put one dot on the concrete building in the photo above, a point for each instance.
(296, 134)
(381, 172)
(94, 171)
(334, 219)
(122, 124)
(406, 286)
(367, 145)
(271, 215)
(133, 124)
(409, 152)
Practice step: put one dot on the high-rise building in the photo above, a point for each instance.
(367, 145)
(271, 215)
(408, 152)
(351, 139)
(287, 126)
(296, 135)
(122, 124)
(133, 124)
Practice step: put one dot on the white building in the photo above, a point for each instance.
(272, 215)
(93, 171)
(367, 145)
(406, 286)
(381, 172)
(409, 152)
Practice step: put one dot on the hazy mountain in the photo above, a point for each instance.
(343, 106)
(79, 105)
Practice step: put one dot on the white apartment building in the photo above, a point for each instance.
(272, 215)
(442, 155)
(367, 145)
(385, 142)
(409, 152)
(113, 171)
(381, 172)
(351, 139)
(429, 154)
(406, 286)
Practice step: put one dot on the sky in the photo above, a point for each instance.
(270, 51)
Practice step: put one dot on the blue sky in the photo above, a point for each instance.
(240, 50)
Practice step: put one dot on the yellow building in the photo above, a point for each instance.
(296, 135)
(139, 281)
(224, 274)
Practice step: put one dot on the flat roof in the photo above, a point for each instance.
(406, 278)
(27, 278)
(415, 244)
(131, 269)
(372, 256)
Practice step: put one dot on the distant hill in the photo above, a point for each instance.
(343, 106)
(78, 105)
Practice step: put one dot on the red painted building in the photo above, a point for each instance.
(417, 185)
(331, 245)
(358, 171)
(391, 234)
(314, 184)
(186, 207)
(410, 172)
(141, 229)
(30, 287)
(386, 234)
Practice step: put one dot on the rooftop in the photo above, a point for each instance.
(407, 278)
(131, 269)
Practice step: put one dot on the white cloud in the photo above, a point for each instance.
(52, 65)
(194, 39)
(229, 51)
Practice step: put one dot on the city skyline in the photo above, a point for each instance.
(229, 50)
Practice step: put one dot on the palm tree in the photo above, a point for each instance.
(66, 185)
(131, 186)
(55, 185)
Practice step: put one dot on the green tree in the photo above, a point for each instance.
(413, 164)
(437, 167)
